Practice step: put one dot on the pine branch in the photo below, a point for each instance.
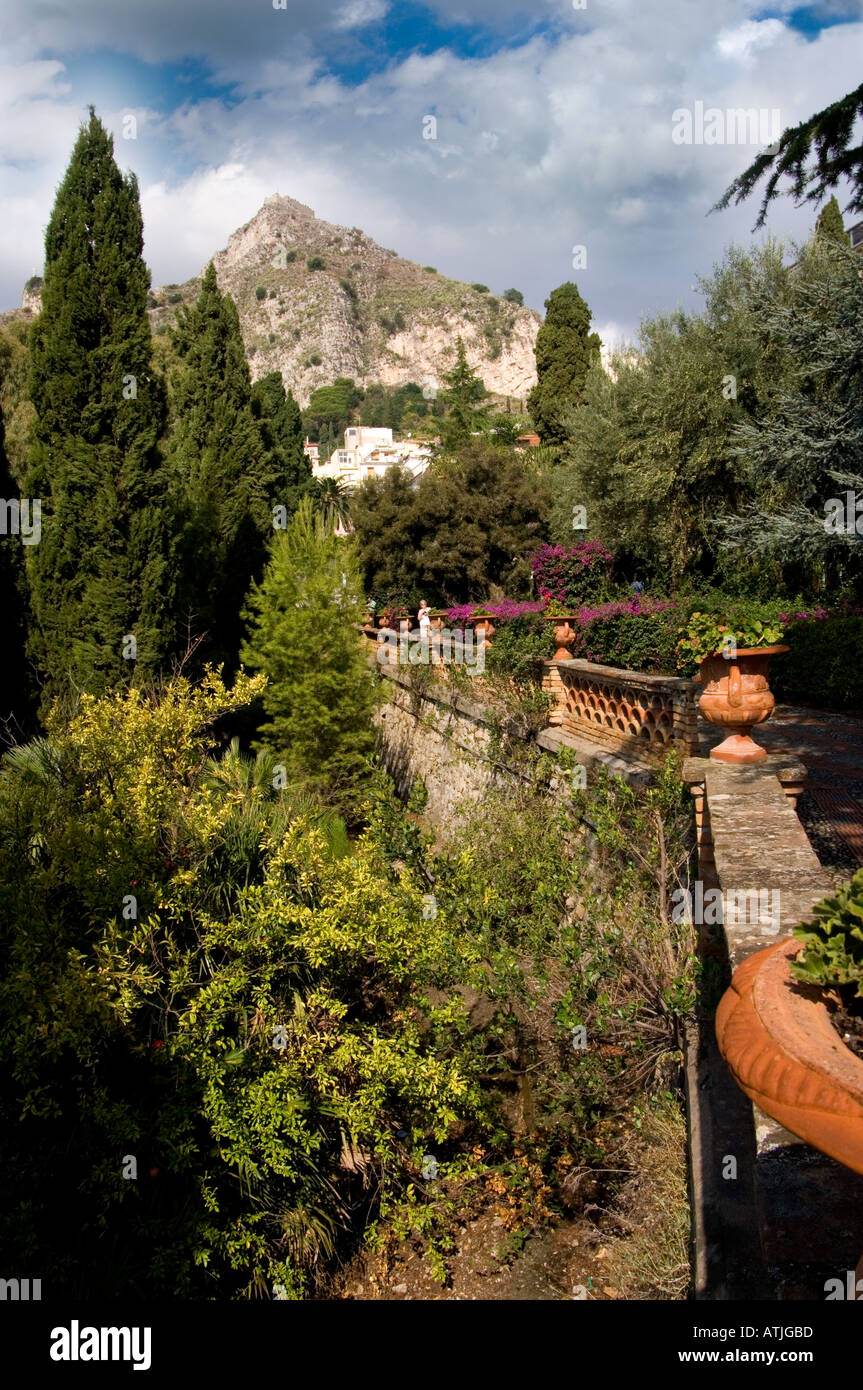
(828, 132)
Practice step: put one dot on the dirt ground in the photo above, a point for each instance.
(563, 1262)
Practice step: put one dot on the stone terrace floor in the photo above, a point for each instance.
(831, 807)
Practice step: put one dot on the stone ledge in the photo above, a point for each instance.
(784, 766)
(620, 674)
(593, 757)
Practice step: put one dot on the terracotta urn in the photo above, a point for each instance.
(736, 697)
(778, 1039)
(485, 628)
(564, 635)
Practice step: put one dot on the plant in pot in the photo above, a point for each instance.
(832, 956)
(733, 665)
(791, 1027)
(483, 625)
(564, 634)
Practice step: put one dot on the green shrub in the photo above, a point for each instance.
(432, 270)
(823, 665)
(290, 257)
(480, 289)
(636, 642)
(261, 292)
(833, 941)
(514, 296)
(175, 298)
(315, 360)
(517, 646)
(316, 263)
(272, 294)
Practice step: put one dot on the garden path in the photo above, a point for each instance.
(831, 808)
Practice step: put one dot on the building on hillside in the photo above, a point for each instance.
(311, 452)
(527, 441)
(368, 453)
(855, 234)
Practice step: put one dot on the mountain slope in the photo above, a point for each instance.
(366, 314)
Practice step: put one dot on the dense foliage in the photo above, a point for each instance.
(469, 523)
(102, 570)
(803, 453)
(303, 620)
(243, 1036)
(565, 349)
(823, 665)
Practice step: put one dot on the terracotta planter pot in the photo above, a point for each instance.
(564, 636)
(736, 697)
(486, 627)
(782, 1049)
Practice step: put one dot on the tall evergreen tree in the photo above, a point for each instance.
(321, 694)
(830, 225)
(221, 471)
(463, 394)
(565, 350)
(287, 472)
(14, 691)
(101, 572)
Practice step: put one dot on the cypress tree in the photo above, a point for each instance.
(15, 712)
(220, 469)
(101, 571)
(565, 351)
(286, 471)
(830, 225)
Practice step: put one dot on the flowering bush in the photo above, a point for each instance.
(638, 634)
(507, 611)
(572, 574)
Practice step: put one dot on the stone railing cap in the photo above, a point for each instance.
(620, 674)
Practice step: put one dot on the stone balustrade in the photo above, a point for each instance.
(624, 711)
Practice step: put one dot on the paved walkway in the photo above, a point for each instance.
(831, 808)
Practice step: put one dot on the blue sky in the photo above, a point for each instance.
(553, 127)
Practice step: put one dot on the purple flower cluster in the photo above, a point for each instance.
(567, 573)
(817, 616)
(641, 607)
(506, 611)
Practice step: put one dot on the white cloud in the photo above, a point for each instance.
(745, 40)
(359, 12)
(564, 140)
(630, 210)
(214, 202)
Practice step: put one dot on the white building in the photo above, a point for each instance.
(369, 452)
